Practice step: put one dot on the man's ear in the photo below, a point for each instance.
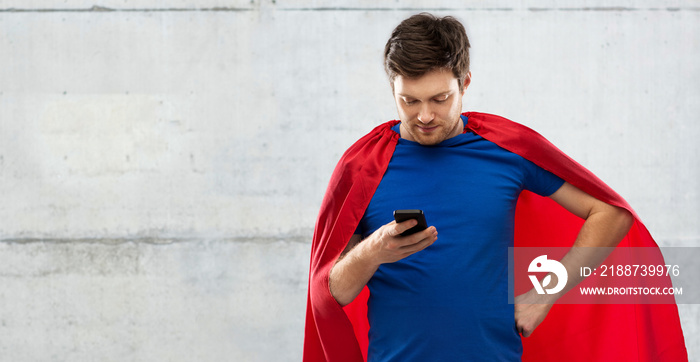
(467, 81)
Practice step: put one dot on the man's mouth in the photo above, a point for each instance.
(425, 129)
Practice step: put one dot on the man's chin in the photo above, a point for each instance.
(428, 139)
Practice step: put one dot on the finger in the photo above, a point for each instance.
(421, 243)
(416, 248)
(428, 233)
(402, 226)
(523, 329)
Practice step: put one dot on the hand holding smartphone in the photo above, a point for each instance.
(403, 215)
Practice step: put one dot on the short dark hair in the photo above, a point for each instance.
(423, 43)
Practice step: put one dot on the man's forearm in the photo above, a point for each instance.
(350, 274)
(360, 260)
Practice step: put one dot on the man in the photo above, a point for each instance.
(445, 298)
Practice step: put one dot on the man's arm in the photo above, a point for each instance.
(605, 226)
(361, 259)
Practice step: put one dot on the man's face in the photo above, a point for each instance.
(429, 106)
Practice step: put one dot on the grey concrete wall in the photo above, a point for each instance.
(162, 162)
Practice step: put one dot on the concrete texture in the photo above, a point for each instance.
(186, 300)
(162, 162)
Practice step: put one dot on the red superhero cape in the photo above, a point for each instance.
(597, 332)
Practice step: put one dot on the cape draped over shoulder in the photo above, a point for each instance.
(571, 332)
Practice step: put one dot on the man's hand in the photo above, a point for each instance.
(360, 260)
(386, 245)
(528, 315)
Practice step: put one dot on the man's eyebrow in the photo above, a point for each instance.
(433, 96)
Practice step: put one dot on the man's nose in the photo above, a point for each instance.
(426, 115)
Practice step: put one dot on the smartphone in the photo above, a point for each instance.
(403, 215)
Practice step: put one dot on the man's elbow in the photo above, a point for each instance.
(623, 221)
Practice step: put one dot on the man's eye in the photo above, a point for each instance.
(408, 103)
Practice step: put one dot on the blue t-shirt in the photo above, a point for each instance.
(449, 302)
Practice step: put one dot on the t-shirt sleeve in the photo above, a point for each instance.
(539, 180)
